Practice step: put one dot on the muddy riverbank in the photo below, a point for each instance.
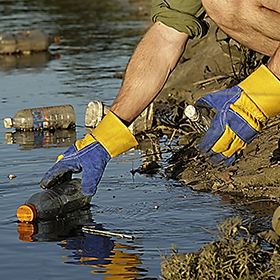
(215, 62)
(212, 63)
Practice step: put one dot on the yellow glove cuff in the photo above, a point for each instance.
(114, 135)
(263, 88)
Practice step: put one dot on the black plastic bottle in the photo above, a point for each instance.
(52, 203)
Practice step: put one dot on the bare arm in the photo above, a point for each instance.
(154, 58)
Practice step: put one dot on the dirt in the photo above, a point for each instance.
(206, 67)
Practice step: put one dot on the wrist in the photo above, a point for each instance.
(263, 88)
(114, 136)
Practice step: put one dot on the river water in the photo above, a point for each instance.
(97, 39)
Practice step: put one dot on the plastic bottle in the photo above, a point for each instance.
(52, 203)
(25, 42)
(55, 117)
(51, 230)
(276, 220)
(96, 111)
(200, 116)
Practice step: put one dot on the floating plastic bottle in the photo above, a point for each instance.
(200, 116)
(25, 42)
(96, 111)
(55, 117)
(52, 203)
(52, 230)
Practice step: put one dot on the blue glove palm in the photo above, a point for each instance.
(91, 159)
(91, 154)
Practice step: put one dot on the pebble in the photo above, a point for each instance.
(12, 176)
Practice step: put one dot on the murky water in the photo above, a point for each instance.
(97, 39)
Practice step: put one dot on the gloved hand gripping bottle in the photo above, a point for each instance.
(91, 154)
(240, 115)
(51, 203)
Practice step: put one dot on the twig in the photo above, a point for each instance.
(215, 78)
(172, 136)
(272, 124)
(90, 229)
(143, 156)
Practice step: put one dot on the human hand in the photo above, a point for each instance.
(241, 111)
(91, 154)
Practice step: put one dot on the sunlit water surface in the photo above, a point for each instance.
(97, 39)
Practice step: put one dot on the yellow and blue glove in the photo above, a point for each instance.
(91, 154)
(241, 111)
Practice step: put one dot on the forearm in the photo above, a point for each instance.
(154, 58)
(274, 63)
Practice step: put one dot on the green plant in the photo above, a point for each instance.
(235, 255)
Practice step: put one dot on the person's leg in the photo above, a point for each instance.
(253, 23)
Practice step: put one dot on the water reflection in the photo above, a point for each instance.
(28, 140)
(116, 260)
(20, 61)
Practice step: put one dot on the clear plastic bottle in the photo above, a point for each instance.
(96, 111)
(52, 203)
(200, 116)
(54, 117)
(25, 42)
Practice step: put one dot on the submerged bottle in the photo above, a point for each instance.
(200, 116)
(54, 117)
(52, 203)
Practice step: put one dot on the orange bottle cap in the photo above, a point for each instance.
(27, 213)
(26, 230)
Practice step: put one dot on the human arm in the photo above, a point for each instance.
(155, 57)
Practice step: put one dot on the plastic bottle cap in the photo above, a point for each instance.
(191, 113)
(26, 230)
(56, 40)
(27, 213)
(276, 220)
(8, 123)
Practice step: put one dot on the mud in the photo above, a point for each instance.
(206, 66)
(212, 63)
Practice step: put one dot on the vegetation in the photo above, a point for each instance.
(233, 254)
